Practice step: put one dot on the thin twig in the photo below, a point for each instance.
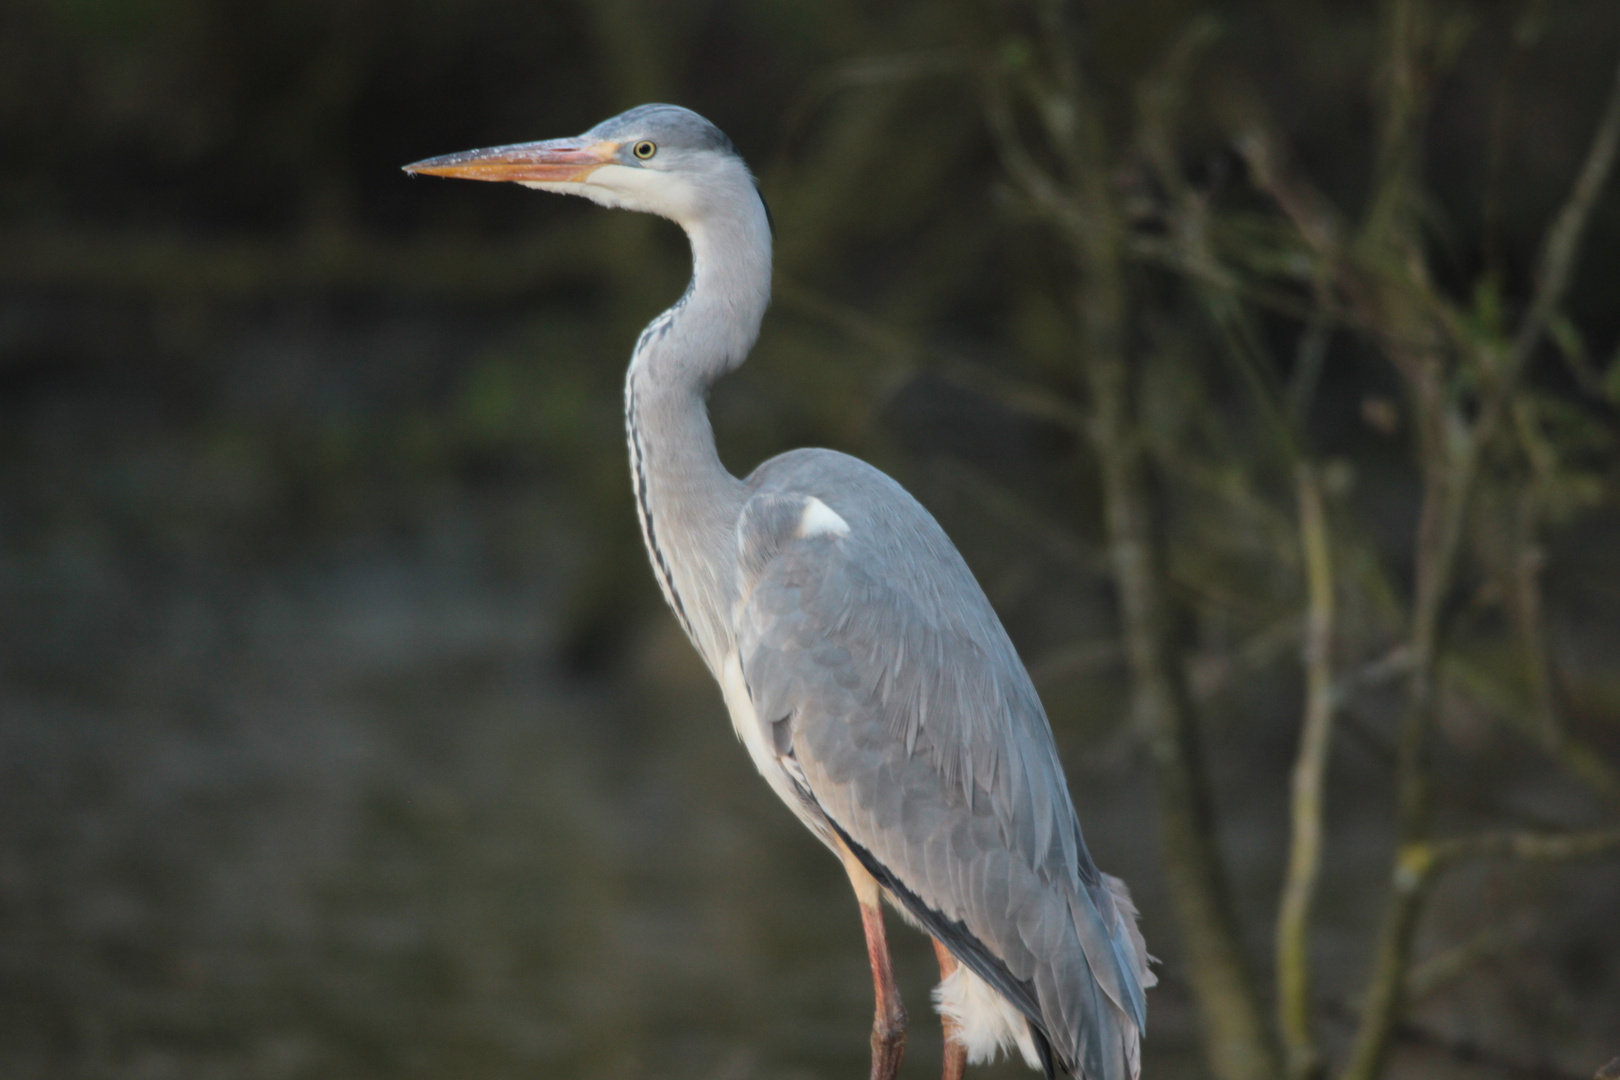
(1212, 672)
(862, 73)
(1470, 1052)
(910, 353)
(1433, 974)
(1416, 866)
(1058, 542)
(1037, 184)
(1461, 1050)
(1159, 251)
(1015, 394)
(1386, 244)
(1456, 793)
(1525, 846)
(1392, 665)
(1562, 244)
(1579, 758)
(1217, 290)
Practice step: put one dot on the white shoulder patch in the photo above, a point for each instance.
(819, 519)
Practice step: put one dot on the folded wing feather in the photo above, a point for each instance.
(918, 733)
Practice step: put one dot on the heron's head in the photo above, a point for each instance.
(659, 159)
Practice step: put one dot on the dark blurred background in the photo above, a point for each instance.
(343, 733)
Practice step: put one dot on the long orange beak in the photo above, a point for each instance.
(552, 160)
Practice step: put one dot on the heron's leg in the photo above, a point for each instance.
(955, 1051)
(889, 1017)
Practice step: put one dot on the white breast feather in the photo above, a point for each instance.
(745, 721)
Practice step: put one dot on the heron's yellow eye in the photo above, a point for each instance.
(644, 149)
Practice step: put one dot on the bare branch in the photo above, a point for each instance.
(1400, 293)
(1456, 793)
(1303, 1060)
(1525, 846)
(1171, 255)
(1087, 214)
(1450, 452)
(1385, 994)
(1582, 761)
(1562, 244)
(1416, 864)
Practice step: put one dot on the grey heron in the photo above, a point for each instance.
(863, 667)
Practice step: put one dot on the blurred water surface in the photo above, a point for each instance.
(352, 826)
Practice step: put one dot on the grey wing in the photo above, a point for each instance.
(888, 685)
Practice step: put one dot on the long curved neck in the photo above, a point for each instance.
(687, 501)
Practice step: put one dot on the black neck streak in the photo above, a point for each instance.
(649, 532)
